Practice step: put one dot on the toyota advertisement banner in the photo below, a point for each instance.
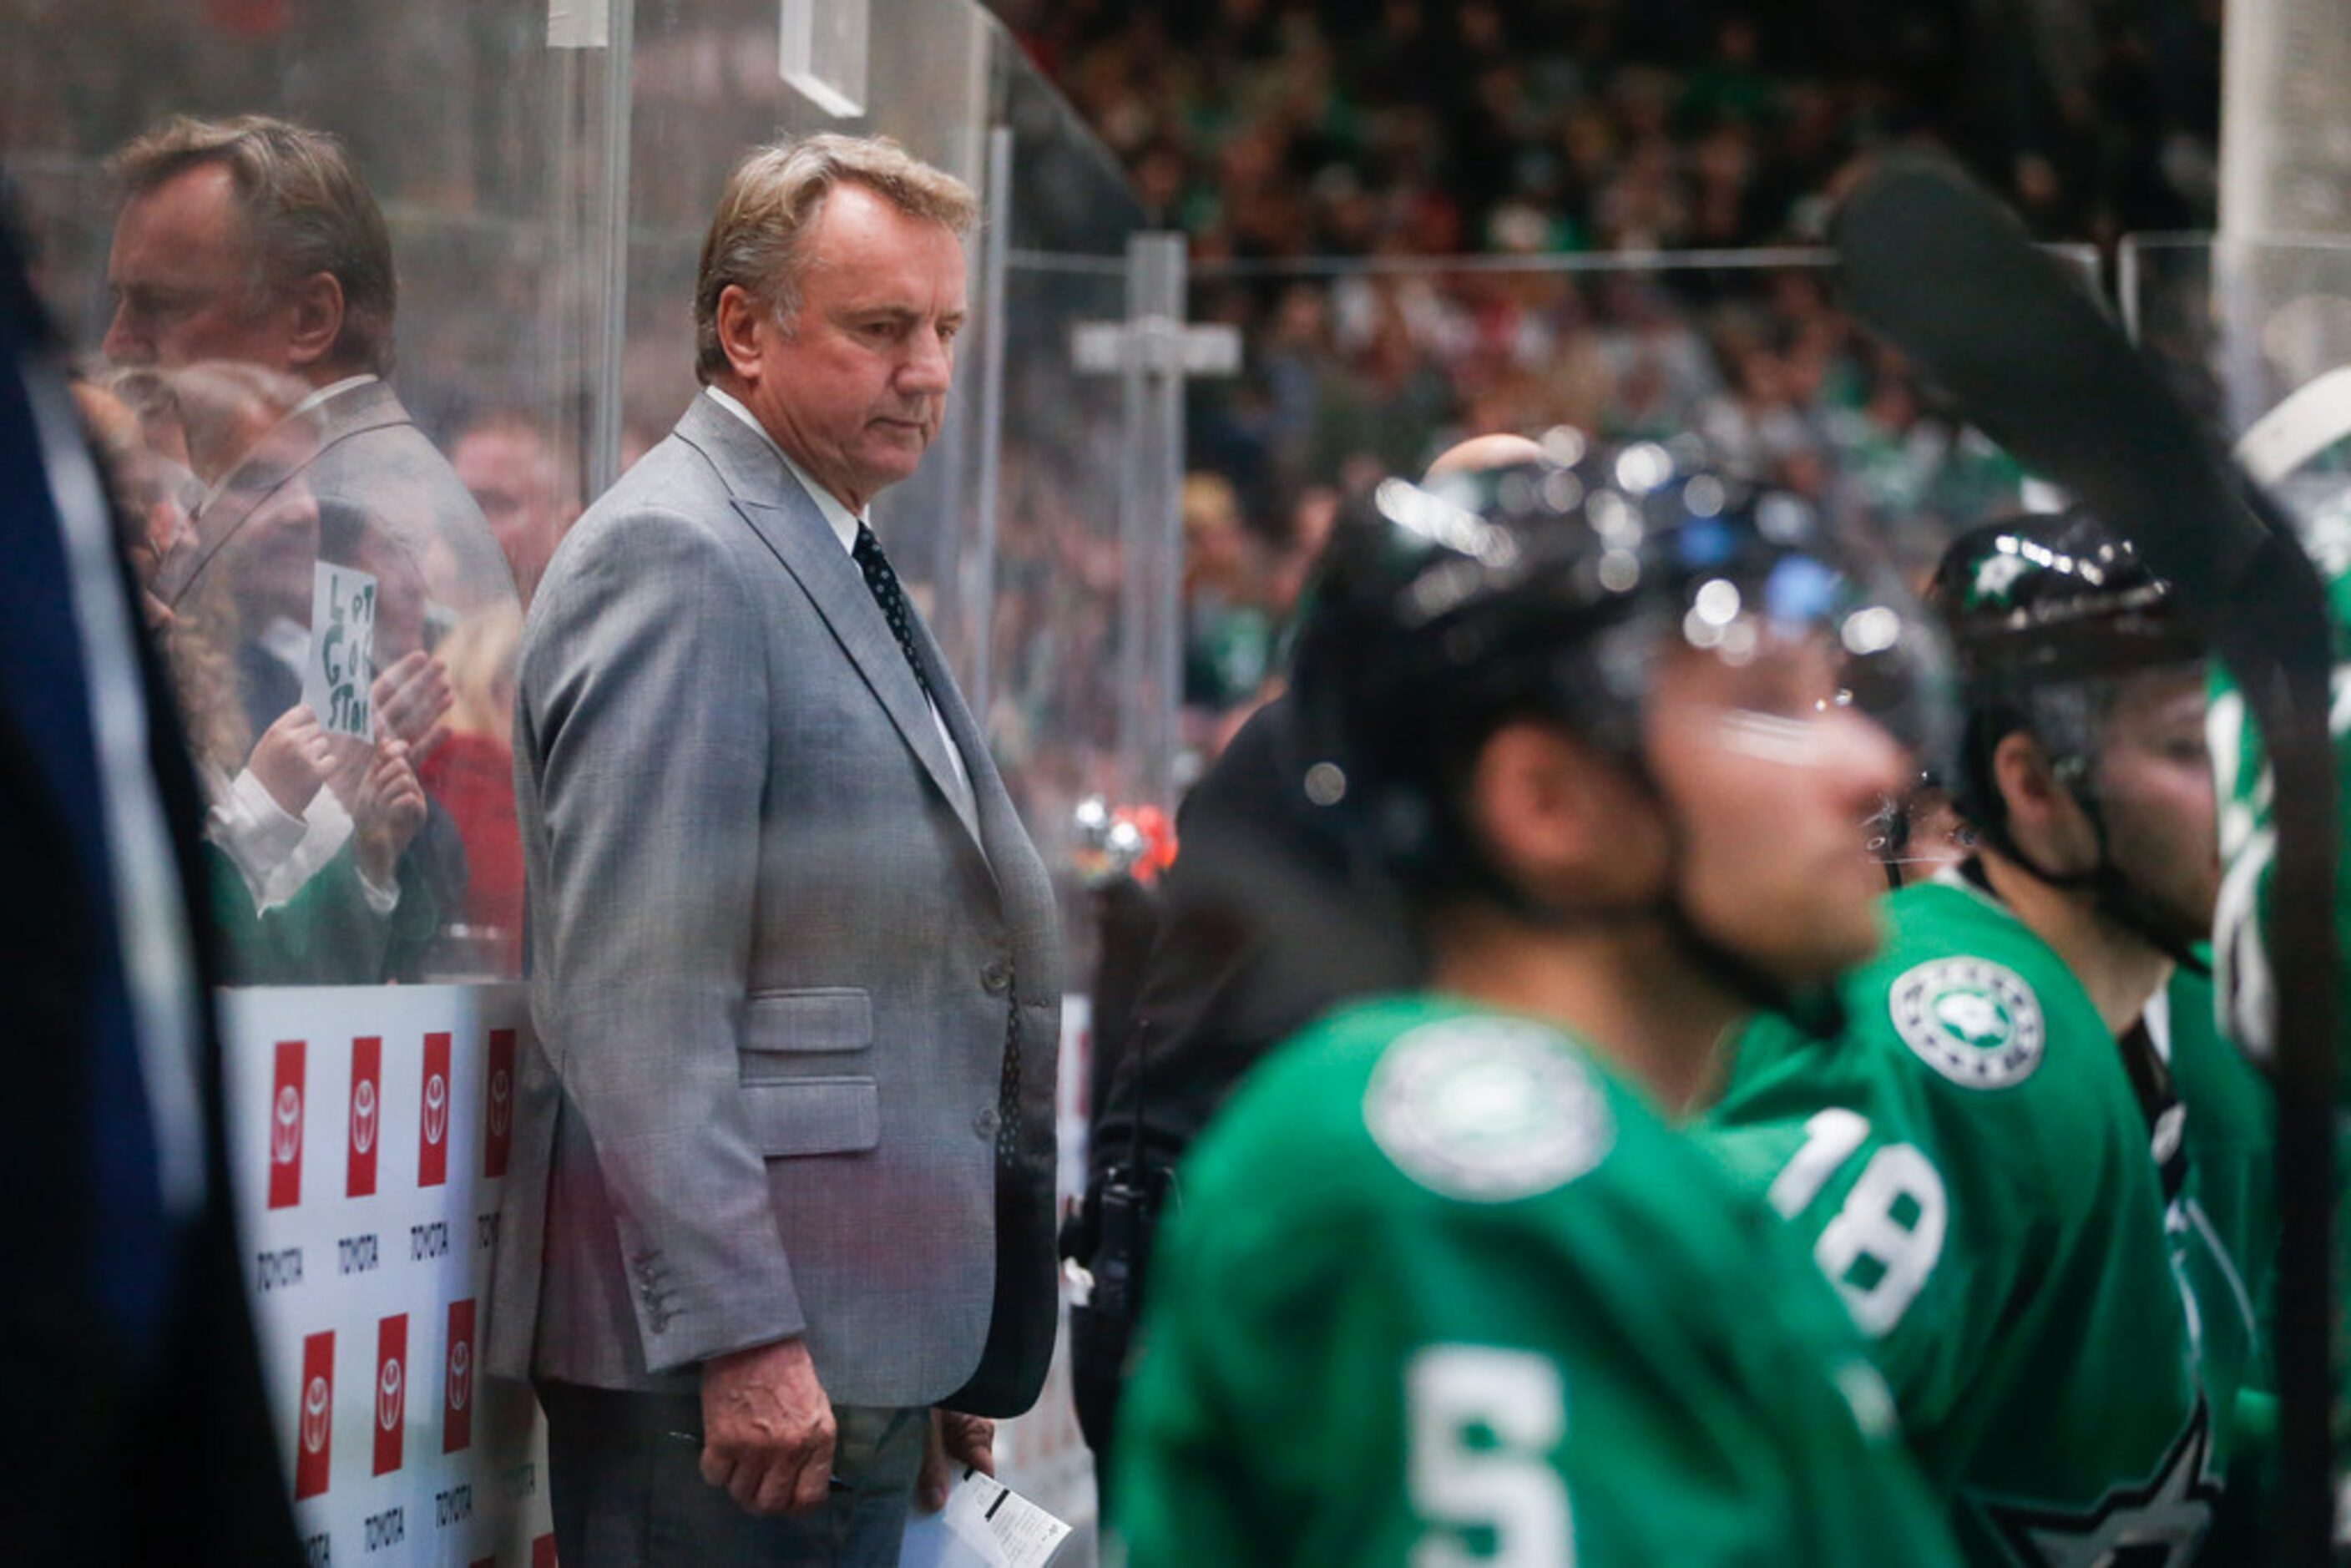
(370, 1132)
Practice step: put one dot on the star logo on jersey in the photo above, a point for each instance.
(1487, 1109)
(1974, 1021)
(2155, 1524)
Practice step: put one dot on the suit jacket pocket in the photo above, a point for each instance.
(813, 1115)
(781, 1023)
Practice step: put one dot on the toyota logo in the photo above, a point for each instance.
(437, 1108)
(387, 1396)
(314, 1415)
(364, 1116)
(461, 1375)
(286, 1136)
(501, 1108)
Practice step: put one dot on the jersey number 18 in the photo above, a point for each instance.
(1884, 1241)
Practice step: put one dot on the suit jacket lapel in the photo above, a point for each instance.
(993, 805)
(767, 497)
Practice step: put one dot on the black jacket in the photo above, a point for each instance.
(112, 1459)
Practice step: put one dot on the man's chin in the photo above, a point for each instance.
(890, 459)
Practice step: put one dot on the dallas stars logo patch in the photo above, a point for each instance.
(2154, 1524)
(1973, 1021)
(1487, 1109)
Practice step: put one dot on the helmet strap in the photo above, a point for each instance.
(2112, 893)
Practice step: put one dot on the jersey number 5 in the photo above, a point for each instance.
(1883, 1242)
(1484, 1424)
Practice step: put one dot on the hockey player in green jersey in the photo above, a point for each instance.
(1989, 1160)
(1445, 1285)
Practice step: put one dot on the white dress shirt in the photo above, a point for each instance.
(843, 523)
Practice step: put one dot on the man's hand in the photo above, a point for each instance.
(291, 759)
(955, 1439)
(412, 702)
(767, 1429)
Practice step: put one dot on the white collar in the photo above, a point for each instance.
(838, 517)
(331, 389)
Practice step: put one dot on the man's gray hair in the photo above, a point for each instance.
(759, 238)
(305, 211)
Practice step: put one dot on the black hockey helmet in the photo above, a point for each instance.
(1552, 589)
(2045, 611)
(2049, 613)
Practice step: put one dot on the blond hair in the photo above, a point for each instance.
(759, 238)
(481, 653)
(305, 211)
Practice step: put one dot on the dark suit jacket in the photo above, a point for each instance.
(113, 1458)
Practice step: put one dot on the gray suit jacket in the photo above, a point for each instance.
(776, 951)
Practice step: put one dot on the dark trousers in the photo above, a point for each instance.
(625, 1482)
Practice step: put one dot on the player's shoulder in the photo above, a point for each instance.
(1966, 996)
(1415, 1102)
(1966, 1036)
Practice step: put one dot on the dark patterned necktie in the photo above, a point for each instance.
(882, 583)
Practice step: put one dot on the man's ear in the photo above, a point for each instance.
(739, 315)
(1554, 815)
(316, 306)
(2043, 816)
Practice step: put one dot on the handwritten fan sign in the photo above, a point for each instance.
(342, 651)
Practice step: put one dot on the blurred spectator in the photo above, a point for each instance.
(472, 774)
(506, 463)
(1227, 638)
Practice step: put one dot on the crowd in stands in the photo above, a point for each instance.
(1325, 158)
(1288, 128)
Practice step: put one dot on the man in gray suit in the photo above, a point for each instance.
(783, 1162)
(254, 242)
(252, 269)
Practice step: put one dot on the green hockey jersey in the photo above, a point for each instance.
(1444, 1290)
(2021, 1239)
(2232, 1154)
(2232, 1138)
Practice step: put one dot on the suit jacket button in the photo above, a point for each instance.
(985, 1125)
(996, 976)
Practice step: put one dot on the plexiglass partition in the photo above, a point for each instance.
(544, 175)
(335, 500)
(339, 508)
(2255, 333)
